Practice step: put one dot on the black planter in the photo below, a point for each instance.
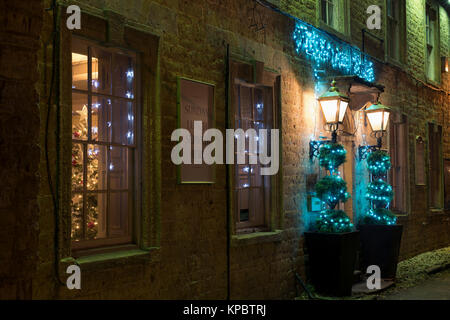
(332, 258)
(380, 245)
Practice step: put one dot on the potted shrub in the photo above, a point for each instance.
(380, 235)
(332, 246)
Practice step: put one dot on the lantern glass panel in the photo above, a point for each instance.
(329, 108)
(378, 120)
(342, 110)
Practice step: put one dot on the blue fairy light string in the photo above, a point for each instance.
(325, 52)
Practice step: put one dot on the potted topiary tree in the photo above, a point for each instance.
(332, 246)
(380, 235)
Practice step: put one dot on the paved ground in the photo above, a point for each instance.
(435, 288)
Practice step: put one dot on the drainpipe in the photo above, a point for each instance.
(227, 168)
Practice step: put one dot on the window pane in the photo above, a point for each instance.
(123, 76)
(259, 105)
(331, 9)
(101, 119)
(101, 71)
(246, 103)
(79, 116)
(95, 215)
(324, 6)
(118, 173)
(118, 214)
(96, 167)
(243, 204)
(77, 216)
(123, 122)
(79, 65)
(77, 167)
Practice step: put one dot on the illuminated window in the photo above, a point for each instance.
(103, 144)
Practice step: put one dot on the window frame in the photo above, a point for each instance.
(110, 29)
(434, 79)
(343, 30)
(133, 189)
(253, 73)
(401, 29)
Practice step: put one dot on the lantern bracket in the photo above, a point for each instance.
(364, 151)
(314, 145)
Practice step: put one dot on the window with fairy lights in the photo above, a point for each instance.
(103, 144)
(255, 106)
(254, 110)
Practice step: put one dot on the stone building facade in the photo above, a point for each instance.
(185, 243)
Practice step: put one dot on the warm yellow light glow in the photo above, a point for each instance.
(79, 58)
(329, 108)
(80, 74)
(378, 120)
(342, 110)
(334, 105)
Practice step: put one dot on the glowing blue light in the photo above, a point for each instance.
(326, 52)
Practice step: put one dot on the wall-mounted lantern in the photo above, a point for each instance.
(334, 106)
(378, 116)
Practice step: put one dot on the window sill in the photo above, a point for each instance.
(118, 257)
(432, 82)
(399, 213)
(437, 210)
(256, 238)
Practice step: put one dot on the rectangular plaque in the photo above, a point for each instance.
(195, 103)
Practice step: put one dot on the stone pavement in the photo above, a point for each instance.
(435, 288)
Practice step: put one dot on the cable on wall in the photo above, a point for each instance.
(54, 92)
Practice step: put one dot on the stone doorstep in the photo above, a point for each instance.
(361, 287)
